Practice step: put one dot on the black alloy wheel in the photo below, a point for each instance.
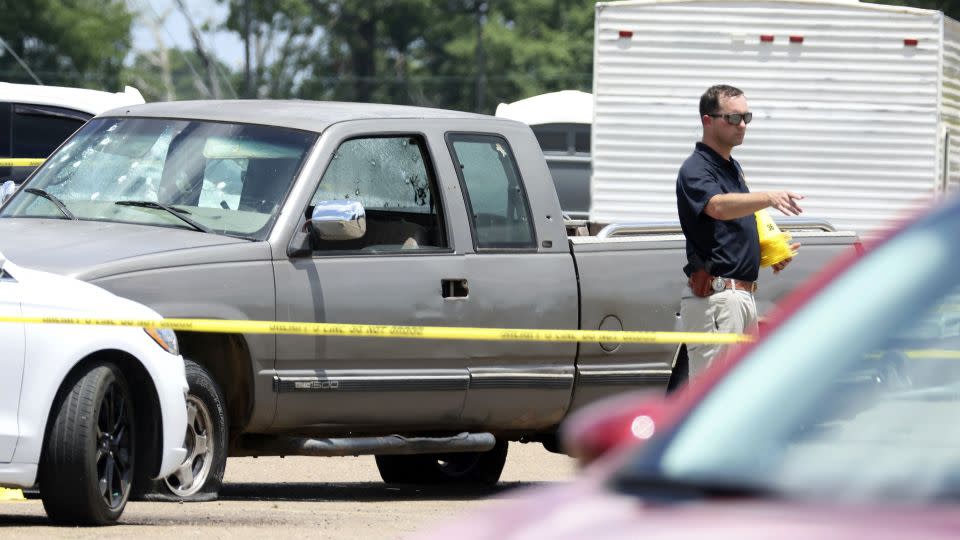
(114, 447)
(86, 469)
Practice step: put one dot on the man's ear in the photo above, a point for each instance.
(706, 120)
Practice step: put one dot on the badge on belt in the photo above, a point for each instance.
(718, 284)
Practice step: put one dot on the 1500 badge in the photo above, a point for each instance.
(317, 385)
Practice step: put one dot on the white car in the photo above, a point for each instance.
(88, 412)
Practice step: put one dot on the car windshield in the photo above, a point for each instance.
(224, 178)
(855, 397)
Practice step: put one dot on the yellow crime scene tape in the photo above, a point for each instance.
(381, 331)
(405, 332)
(11, 494)
(21, 162)
(390, 331)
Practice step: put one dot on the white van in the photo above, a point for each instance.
(35, 119)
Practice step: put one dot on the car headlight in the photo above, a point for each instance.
(165, 338)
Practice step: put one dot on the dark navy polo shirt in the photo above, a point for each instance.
(728, 248)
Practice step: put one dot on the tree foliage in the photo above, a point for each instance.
(461, 54)
(422, 52)
(529, 48)
(65, 42)
(171, 74)
(950, 7)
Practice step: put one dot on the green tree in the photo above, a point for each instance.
(280, 37)
(172, 74)
(65, 42)
(529, 48)
(370, 47)
(950, 7)
(423, 52)
(329, 49)
(428, 53)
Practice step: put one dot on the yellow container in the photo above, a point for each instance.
(774, 244)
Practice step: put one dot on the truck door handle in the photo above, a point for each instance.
(454, 288)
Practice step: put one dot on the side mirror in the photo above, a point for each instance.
(613, 424)
(338, 219)
(6, 190)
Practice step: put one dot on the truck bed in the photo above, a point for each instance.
(651, 267)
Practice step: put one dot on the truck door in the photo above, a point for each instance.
(400, 272)
(513, 283)
(11, 365)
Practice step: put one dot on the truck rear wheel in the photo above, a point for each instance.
(86, 471)
(465, 468)
(681, 370)
(200, 475)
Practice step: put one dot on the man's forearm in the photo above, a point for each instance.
(728, 206)
(736, 205)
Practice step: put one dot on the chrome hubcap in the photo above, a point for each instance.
(192, 474)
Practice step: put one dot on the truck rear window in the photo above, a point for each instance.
(495, 196)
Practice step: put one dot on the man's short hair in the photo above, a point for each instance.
(710, 100)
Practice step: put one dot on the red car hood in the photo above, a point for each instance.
(583, 509)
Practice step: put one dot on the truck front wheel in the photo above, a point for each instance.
(465, 468)
(200, 475)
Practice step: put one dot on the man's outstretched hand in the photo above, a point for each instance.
(786, 202)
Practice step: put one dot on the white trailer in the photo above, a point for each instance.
(856, 105)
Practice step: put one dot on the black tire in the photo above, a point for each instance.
(201, 474)
(458, 468)
(86, 470)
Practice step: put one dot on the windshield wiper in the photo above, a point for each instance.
(177, 212)
(52, 198)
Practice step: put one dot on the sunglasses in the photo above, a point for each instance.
(735, 118)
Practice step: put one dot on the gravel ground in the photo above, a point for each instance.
(340, 497)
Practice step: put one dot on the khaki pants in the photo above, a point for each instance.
(727, 312)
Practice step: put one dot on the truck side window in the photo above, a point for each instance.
(495, 196)
(393, 179)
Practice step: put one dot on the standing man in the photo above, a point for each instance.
(717, 217)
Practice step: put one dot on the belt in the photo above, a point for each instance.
(729, 283)
(703, 284)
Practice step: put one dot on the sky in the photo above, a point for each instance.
(176, 33)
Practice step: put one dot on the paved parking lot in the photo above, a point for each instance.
(301, 497)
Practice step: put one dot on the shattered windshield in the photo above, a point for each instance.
(225, 178)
